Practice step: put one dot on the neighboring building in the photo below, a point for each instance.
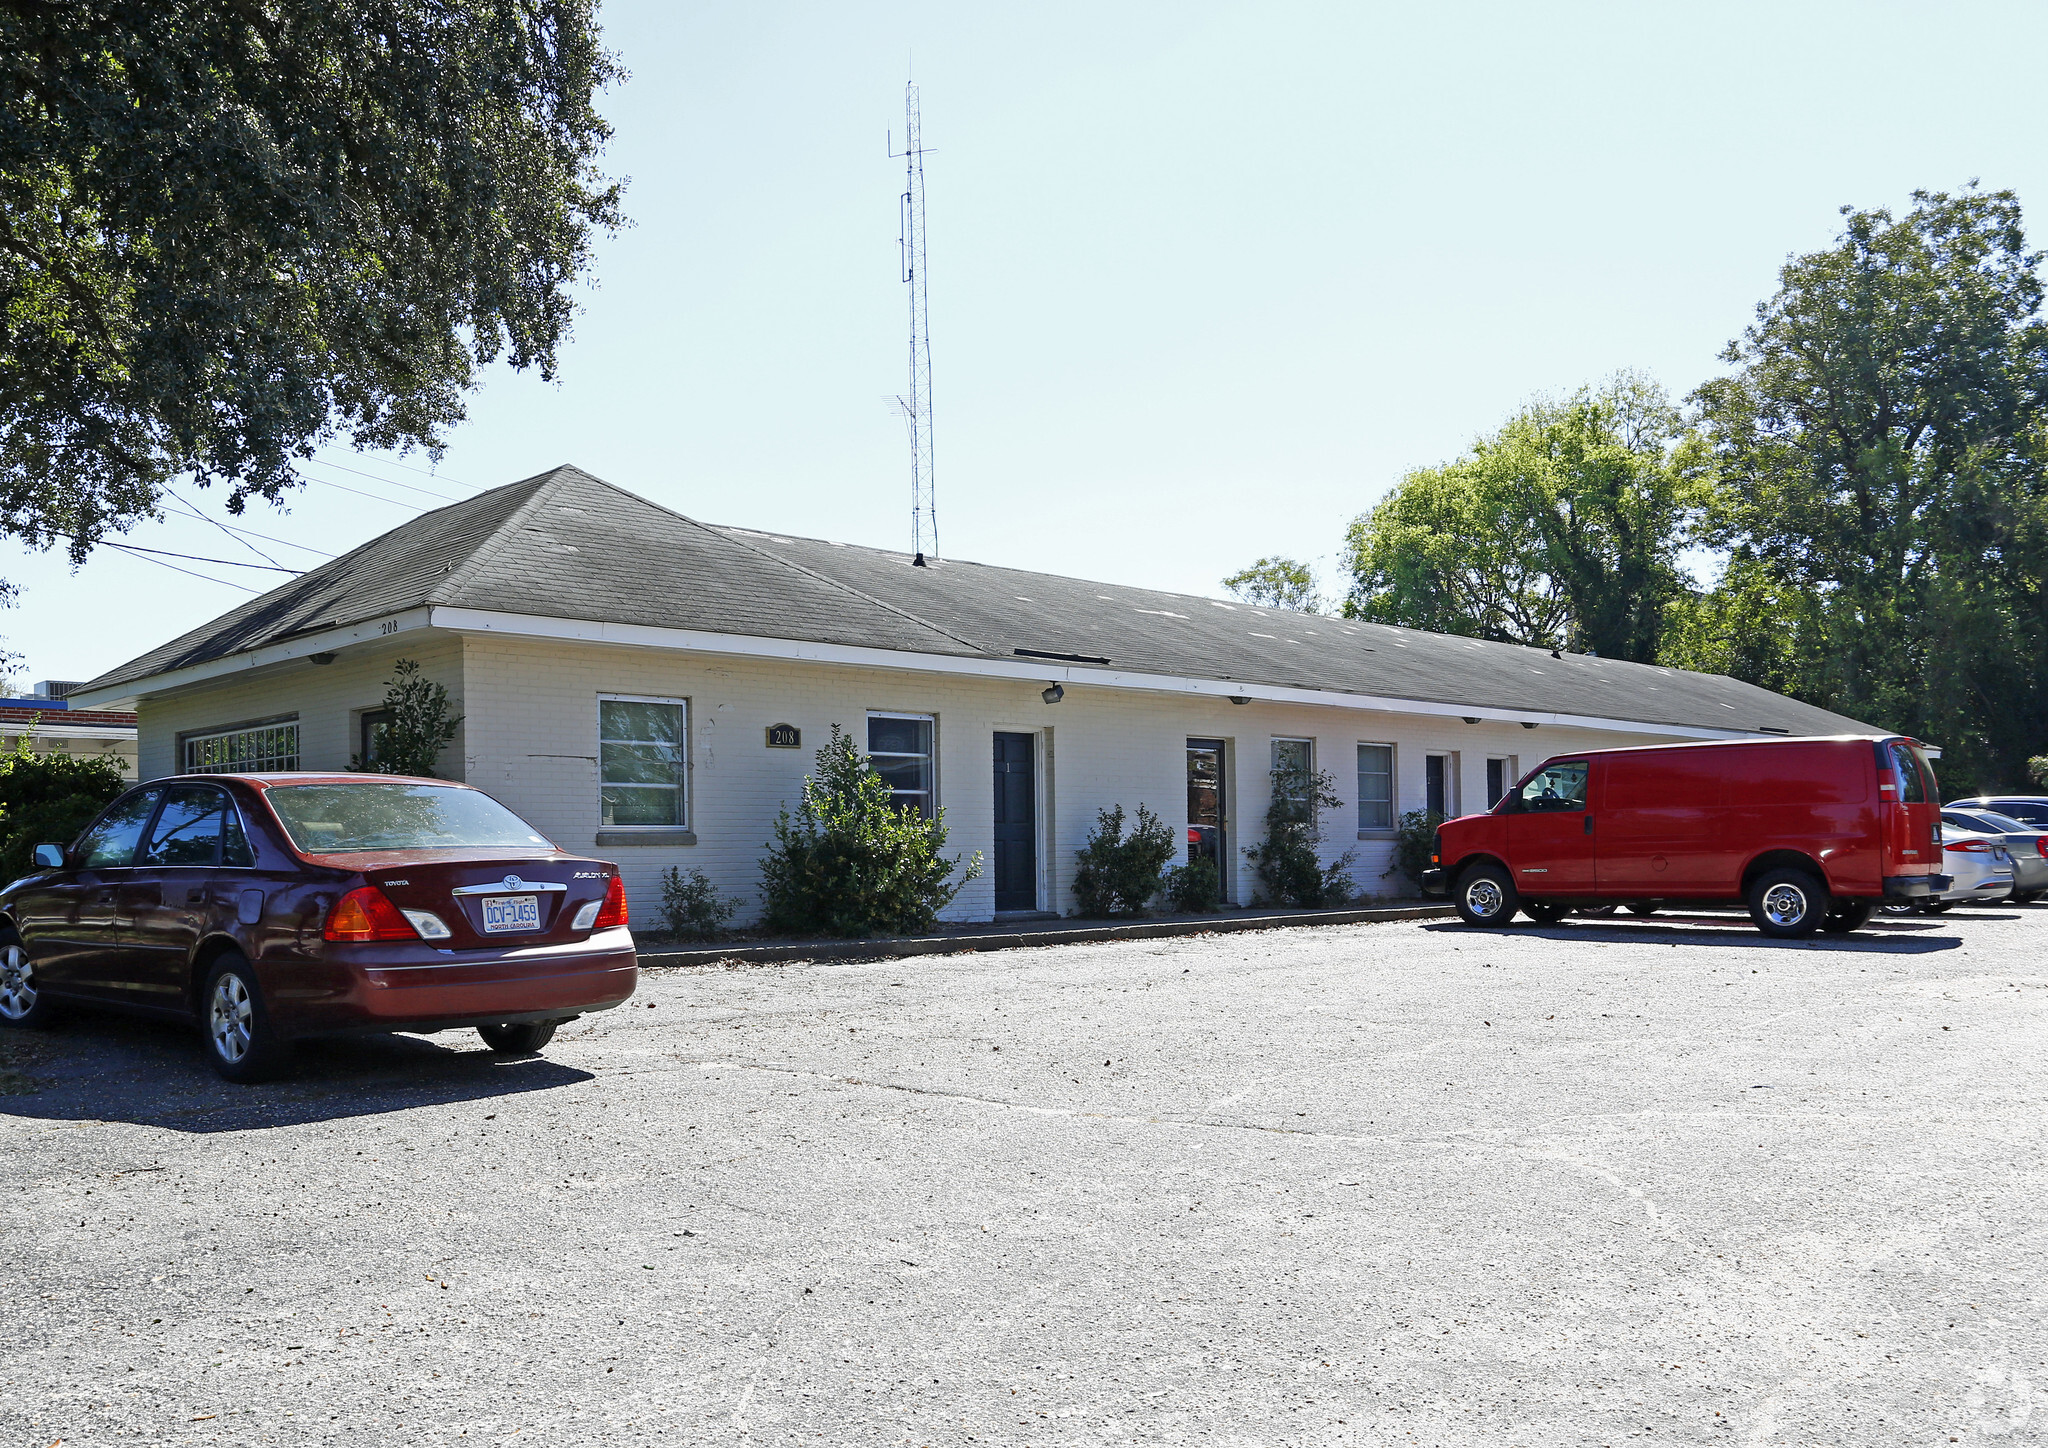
(652, 688)
(51, 727)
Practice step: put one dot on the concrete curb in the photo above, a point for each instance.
(895, 947)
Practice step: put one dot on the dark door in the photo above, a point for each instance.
(1016, 825)
(1205, 807)
(170, 893)
(1550, 835)
(69, 932)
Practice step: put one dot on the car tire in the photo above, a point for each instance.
(1598, 911)
(1847, 916)
(2025, 897)
(1933, 907)
(22, 1005)
(1642, 907)
(1787, 904)
(1545, 914)
(241, 1042)
(518, 1038)
(1486, 896)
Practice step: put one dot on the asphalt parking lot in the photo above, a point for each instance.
(1387, 1184)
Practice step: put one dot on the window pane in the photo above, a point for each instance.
(112, 842)
(1560, 787)
(270, 749)
(1290, 753)
(338, 818)
(1375, 786)
(187, 830)
(912, 775)
(899, 736)
(234, 845)
(633, 721)
(626, 805)
(642, 764)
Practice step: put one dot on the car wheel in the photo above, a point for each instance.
(1787, 903)
(1642, 907)
(1545, 914)
(1847, 916)
(1486, 896)
(518, 1038)
(1598, 910)
(2026, 897)
(1933, 907)
(240, 1040)
(21, 1002)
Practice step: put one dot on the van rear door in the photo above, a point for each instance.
(1909, 809)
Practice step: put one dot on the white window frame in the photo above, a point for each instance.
(1386, 831)
(270, 735)
(931, 760)
(1510, 773)
(684, 802)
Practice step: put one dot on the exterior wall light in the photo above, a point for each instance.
(1527, 725)
(1054, 694)
(1240, 699)
(321, 658)
(1470, 718)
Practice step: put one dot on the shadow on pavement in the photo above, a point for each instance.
(150, 1073)
(1883, 936)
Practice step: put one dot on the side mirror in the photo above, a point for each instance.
(49, 857)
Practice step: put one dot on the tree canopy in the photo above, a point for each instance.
(232, 230)
(1277, 582)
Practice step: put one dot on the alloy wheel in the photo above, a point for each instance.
(1483, 898)
(17, 983)
(1785, 904)
(230, 1016)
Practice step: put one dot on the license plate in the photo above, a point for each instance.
(509, 914)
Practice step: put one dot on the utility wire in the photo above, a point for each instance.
(377, 497)
(144, 556)
(204, 518)
(388, 482)
(167, 553)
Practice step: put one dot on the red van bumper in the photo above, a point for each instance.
(1916, 887)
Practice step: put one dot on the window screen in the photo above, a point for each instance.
(1375, 786)
(900, 750)
(641, 761)
(262, 749)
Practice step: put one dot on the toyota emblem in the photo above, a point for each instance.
(513, 882)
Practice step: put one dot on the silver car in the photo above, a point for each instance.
(2027, 844)
(1980, 865)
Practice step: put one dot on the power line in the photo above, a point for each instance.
(167, 553)
(377, 497)
(389, 482)
(204, 518)
(144, 556)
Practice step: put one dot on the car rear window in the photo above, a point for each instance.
(2033, 811)
(334, 819)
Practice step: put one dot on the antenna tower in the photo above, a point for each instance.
(917, 406)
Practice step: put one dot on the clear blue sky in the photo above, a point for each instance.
(1205, 280)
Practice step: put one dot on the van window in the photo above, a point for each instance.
(1911, 791)
(1560, 786)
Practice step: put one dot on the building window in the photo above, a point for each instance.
(1440, 784)
(1293, 754)
(1500, 777)
(641, 760)
(370, 736)
(900, 750)
(260, 749)
(1375, 786)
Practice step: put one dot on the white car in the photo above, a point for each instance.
(1980, 864)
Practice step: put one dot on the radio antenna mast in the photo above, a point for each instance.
(917, 405)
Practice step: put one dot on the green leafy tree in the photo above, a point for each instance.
(1289, 860)
(49, 798)
(423, 721)
(230, 231)
(1277, 582)
(851, 863)
(1117, 874)
(1880, 444)
(1564, 529)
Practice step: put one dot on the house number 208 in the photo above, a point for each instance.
(389, 626)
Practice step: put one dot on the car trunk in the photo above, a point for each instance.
(492, 899)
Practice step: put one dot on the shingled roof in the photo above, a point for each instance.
(568, 545)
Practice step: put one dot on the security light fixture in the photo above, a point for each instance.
(321, 658)
(1240, 699)
(1054, 694)
(1526, 724)
(1471, 718)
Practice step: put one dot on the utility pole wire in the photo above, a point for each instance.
(202, 517)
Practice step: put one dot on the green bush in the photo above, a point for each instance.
(1196, 887)
(850, 863)
(2037, 771)
(694, 908)
(1116, 874)
(1289, 860)
(1414, 844)
(49, 798)
(421, 725)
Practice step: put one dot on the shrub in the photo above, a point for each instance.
(2037, 771)
(1414, 843)
(695, 909)
(49, 798)
(420, 728)
(1289, 860)
(1196, 887)
(850, 863)
(1116, 874)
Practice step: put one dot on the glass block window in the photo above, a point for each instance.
(900, 750)
(1375, 786)
(641, 760)
(262, 749)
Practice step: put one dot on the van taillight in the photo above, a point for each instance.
(614, 911)
(365, 914)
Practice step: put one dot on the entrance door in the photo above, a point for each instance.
(1205, 807)
(1016, 825)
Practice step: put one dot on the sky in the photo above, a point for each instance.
(1205, 280)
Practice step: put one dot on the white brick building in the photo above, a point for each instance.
(630, 681)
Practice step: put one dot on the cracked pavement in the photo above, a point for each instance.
(1402, 1183)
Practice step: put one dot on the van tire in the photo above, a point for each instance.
(1642, 907)
(1933, 907)
(1545, 914)
(1486, 896)
(1788, 904)
(1847, 916)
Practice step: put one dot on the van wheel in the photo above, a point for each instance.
(240, 1040)
(1787, 903)
(1642, 907)
(1598, 910)
(1847, 916)
(1545, 914)
(1486, 896)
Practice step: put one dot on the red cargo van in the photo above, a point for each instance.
(1810, 834)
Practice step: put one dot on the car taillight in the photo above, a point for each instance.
(614, 911)
(1972, 847)
(2041, 846)
(366, 915)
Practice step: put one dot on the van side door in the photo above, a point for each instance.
(1550, 833)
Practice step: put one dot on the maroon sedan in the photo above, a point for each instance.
(272, 906)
